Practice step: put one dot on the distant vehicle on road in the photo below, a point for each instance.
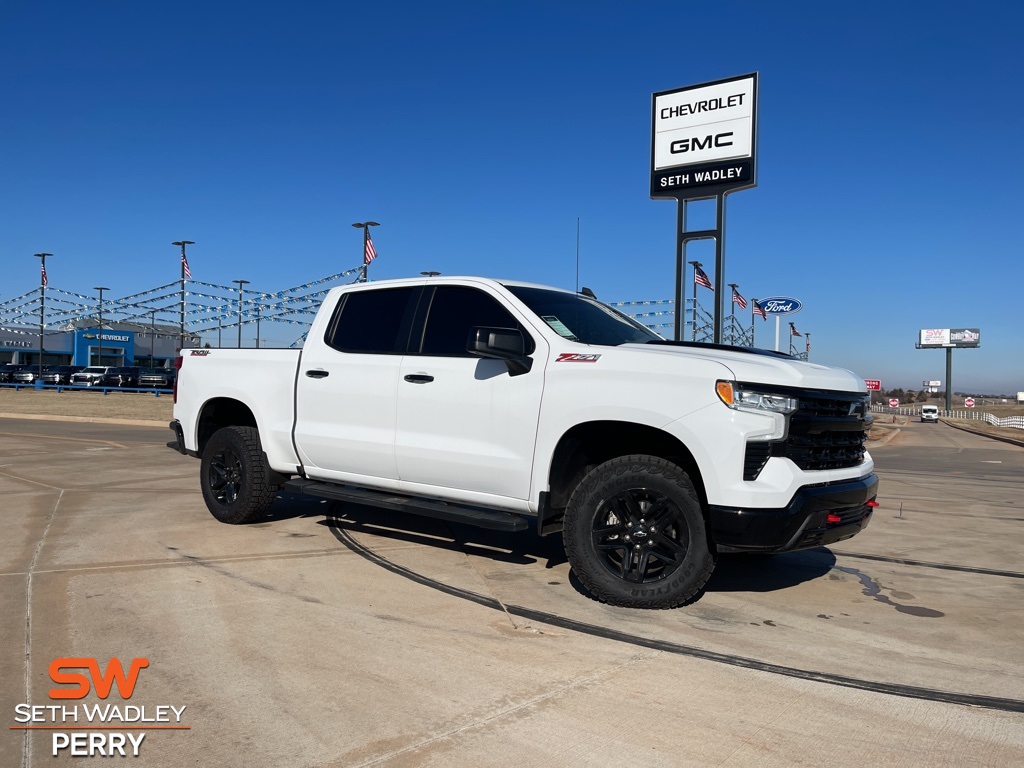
(930, 413)
(123, 376)
(89, 376)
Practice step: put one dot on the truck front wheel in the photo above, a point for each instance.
(235, 477)
(635, 535)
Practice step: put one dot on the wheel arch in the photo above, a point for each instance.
(222, 412)
(591, 443)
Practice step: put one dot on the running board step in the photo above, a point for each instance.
(457, 513)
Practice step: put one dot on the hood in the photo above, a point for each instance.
(763, 368)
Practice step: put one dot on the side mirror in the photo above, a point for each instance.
(505, 344)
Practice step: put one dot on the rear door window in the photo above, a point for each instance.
(373, 322)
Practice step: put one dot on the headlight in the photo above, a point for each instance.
(741, 399)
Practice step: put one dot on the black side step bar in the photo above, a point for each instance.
(457, 513)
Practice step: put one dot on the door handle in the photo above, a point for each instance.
(419, 378)
(318, 374)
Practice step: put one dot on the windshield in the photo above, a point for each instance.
(94, 369)
(578, 318)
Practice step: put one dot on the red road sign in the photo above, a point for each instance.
(893, 402)
(873, 385)
(968, 402)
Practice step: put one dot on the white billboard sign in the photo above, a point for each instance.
(704, 136)
(949, 337)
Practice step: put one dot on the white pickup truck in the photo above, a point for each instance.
(515, 406)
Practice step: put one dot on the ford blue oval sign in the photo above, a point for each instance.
(780, 305)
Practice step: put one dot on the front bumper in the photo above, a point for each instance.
(818, 515)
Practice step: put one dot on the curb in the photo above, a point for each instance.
(1000, 438)
(85, 420)
(885, 438)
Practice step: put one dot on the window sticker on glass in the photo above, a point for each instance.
(559, 327)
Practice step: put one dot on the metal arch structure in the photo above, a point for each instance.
(208, 308)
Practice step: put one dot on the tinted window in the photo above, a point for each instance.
(454, 311)
(371, 322)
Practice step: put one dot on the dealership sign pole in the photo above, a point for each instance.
(703, 147)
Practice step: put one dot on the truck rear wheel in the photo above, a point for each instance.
(635, 535)
(235, 477)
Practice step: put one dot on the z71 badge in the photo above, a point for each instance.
(199, 352)
(569, 357)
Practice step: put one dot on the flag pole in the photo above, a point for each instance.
(42, 308)
(365, 226)
(184, 269)
(696, 265)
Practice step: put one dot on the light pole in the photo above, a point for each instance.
(185, 272)
(257, 324)
(152, 335)
(99, 335)
(42, 308)
(369, 254)
(240, 284)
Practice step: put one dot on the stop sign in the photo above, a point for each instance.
(968, 402)
(893, 402)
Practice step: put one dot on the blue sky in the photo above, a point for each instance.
(478, 133)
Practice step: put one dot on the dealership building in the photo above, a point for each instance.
(117, 344)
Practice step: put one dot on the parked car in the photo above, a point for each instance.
(159, 378)
(26, 375)
(8, 370)
(517, 407)
(89, 376)
(60, 374)
(122, 376)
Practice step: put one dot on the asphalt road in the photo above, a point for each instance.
(338, 635)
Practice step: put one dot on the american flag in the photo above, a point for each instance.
(184, 266)
(737, 299)
(371, 252)
(701, 278)
(759, 310)
(793, 331)
(43, 275)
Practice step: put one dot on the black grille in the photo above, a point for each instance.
(827, 431)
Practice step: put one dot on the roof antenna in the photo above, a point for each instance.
(577, 254)
(587, 292)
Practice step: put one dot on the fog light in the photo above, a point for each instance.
(833, 518)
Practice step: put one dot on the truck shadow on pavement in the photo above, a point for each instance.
(734, 572)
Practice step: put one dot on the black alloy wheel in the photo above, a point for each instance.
(635, 534)
(235, 477)
(640, 536)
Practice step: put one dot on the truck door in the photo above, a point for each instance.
(347, 384)
(463, 422)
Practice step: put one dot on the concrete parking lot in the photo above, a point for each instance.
(338, 635)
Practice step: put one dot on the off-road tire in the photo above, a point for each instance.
(635, 534)
(235, 477)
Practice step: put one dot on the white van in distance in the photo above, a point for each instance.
(930, 413)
